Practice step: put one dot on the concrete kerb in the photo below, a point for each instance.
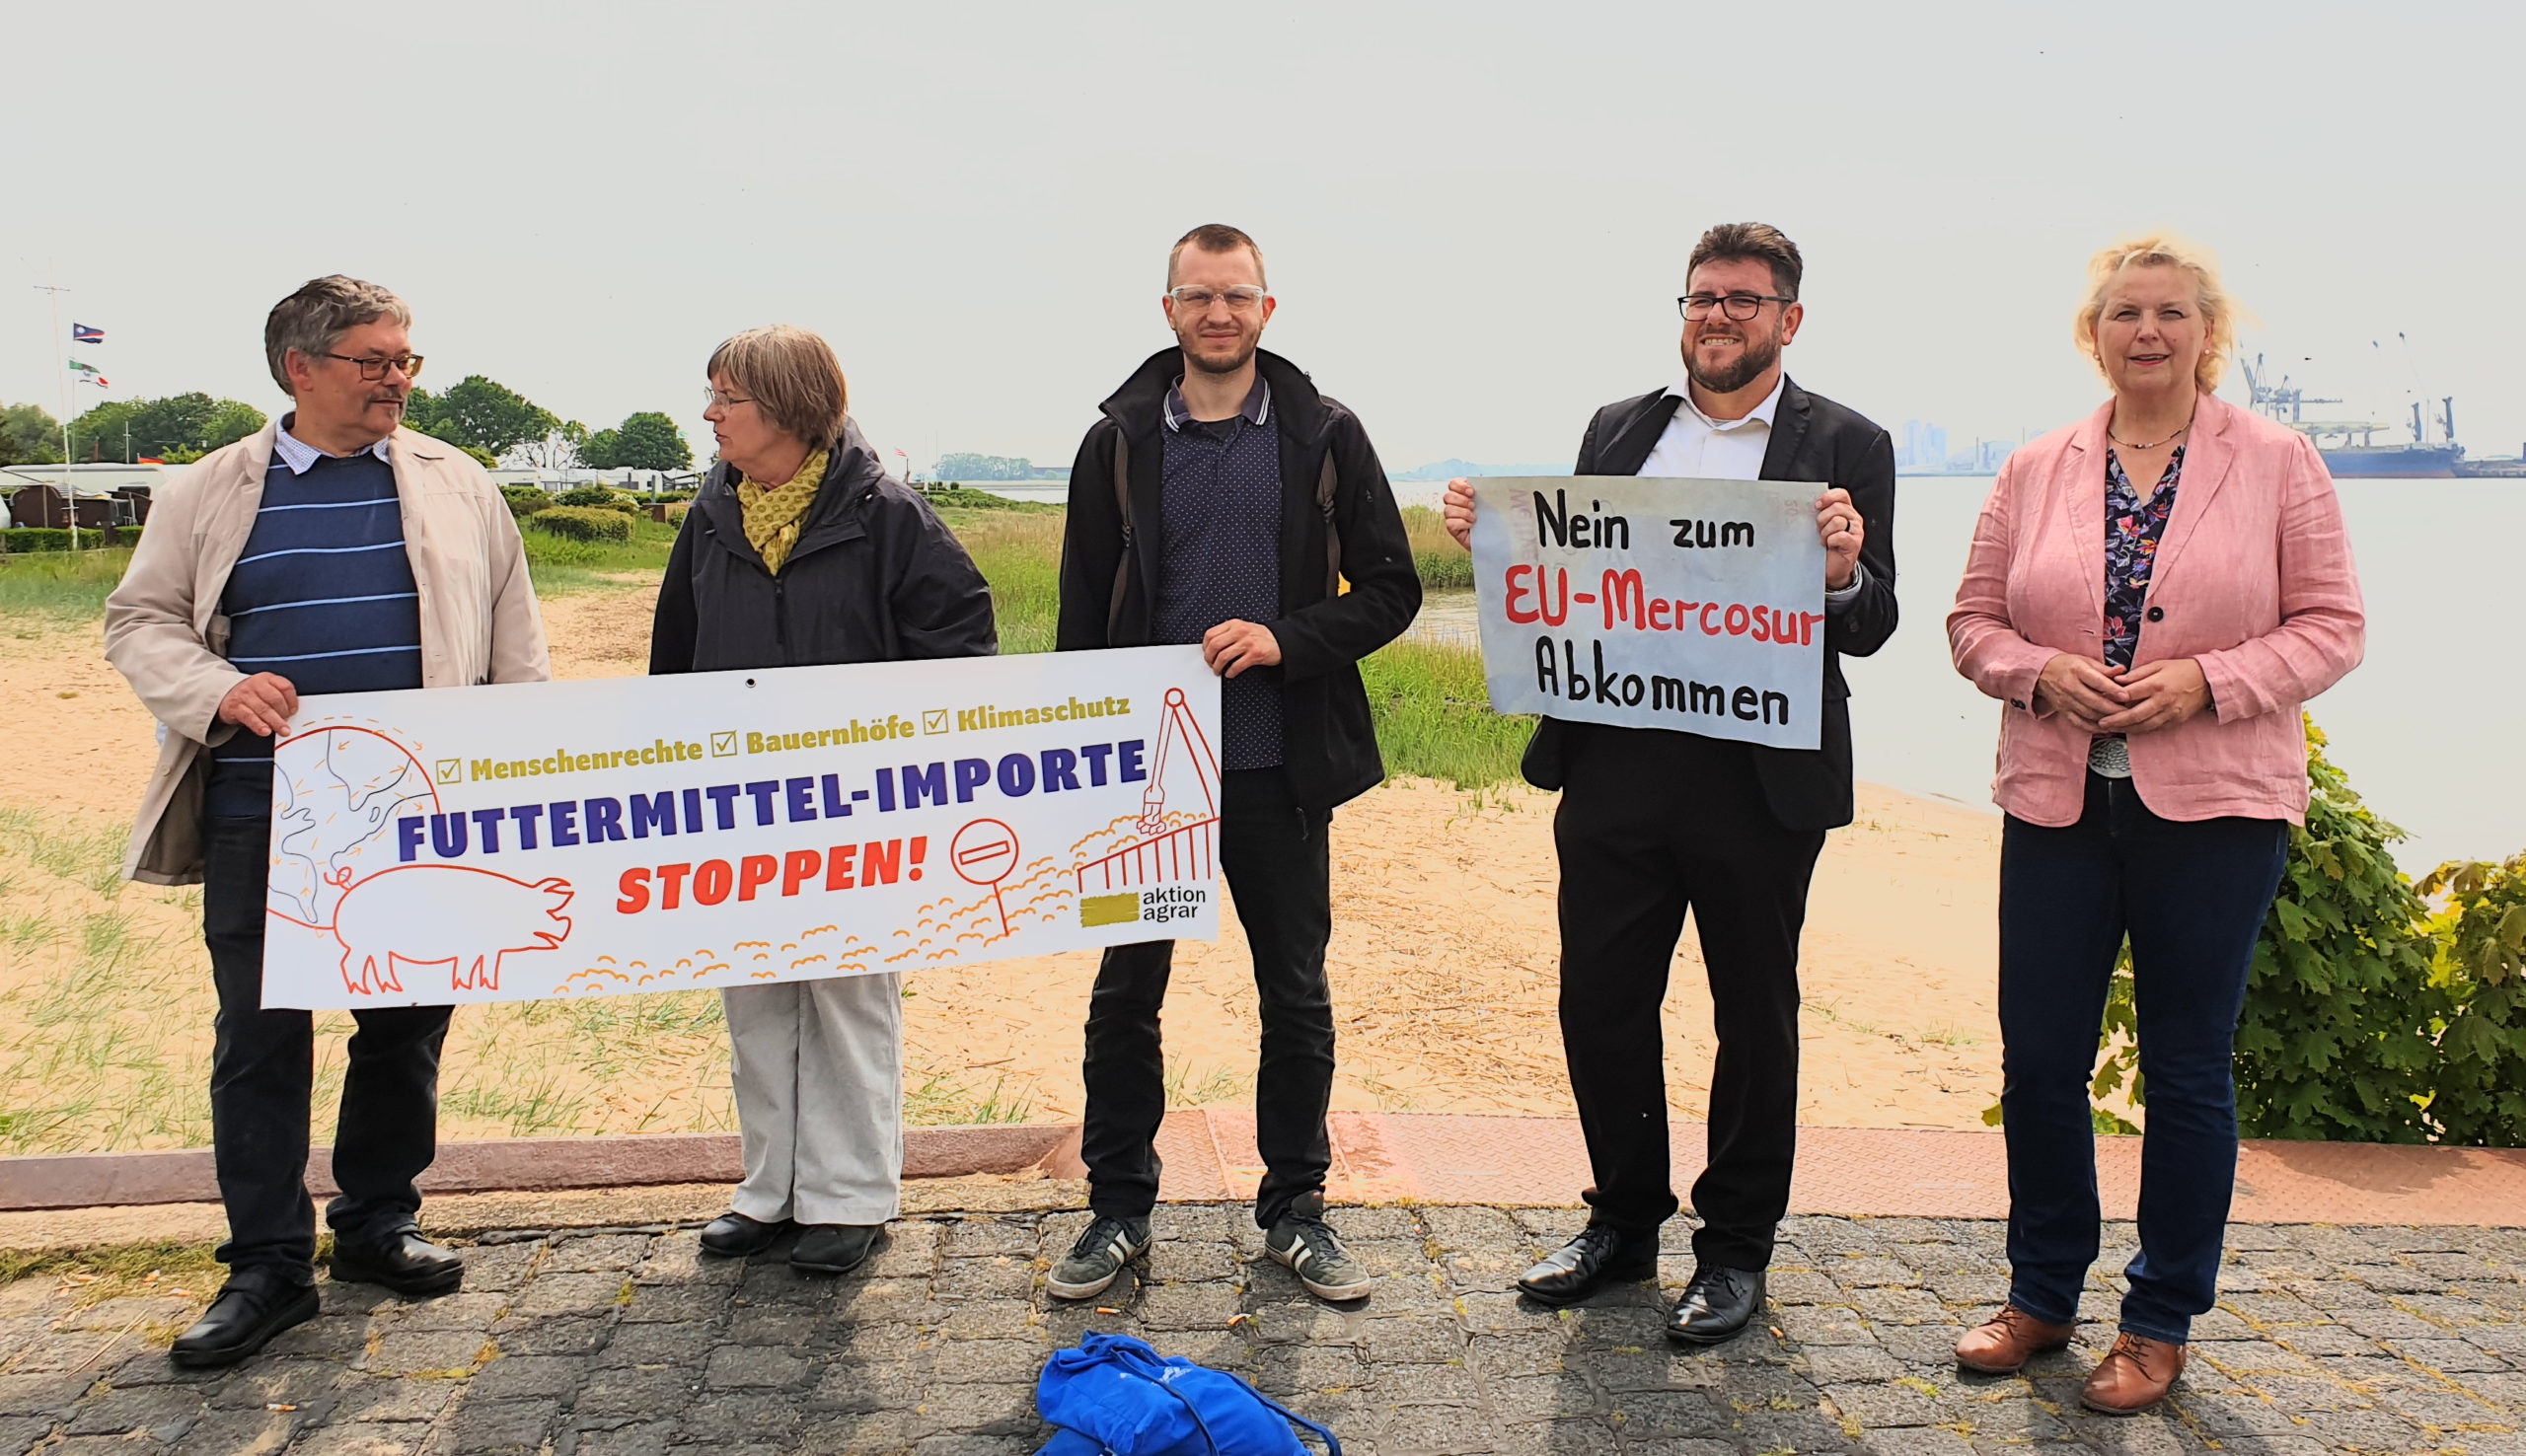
(528, 1165)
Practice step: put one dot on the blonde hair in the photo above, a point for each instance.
(793, 376)
(2164, 249)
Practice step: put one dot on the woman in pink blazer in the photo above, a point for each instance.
(2152, 593)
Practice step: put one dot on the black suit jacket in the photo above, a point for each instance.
(1812, 439)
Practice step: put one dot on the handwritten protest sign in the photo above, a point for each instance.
(538, 840)
(1651, 603)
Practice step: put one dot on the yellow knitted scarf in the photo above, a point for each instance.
(773, 516)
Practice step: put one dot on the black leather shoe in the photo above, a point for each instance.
(405, 1262)
(834, 1248)
(1717, 1305)
(733, 1235)
(251, 1309)
(1598, 1257)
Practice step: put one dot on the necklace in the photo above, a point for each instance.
(2150, 445)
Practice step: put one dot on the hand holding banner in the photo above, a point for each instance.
(1646, 603)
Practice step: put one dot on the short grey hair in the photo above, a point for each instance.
(314, 319)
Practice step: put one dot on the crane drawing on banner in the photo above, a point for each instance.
(1171, 846)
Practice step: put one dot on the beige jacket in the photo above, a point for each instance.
(164, 632)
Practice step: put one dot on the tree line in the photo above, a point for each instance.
(479, 415)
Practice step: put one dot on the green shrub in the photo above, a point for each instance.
(526, 500)
(585, 523)
(958, 498)
(2335, 1039)
(2480, 1021)
(17, 540)
(600, 497)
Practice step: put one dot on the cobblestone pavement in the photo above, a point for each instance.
(620, 1342)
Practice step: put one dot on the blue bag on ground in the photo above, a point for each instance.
(1114, 1396)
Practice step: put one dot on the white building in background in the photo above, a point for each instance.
(625, 478)
(1990, 455)
(87, 479)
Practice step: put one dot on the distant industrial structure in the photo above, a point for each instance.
(1922, 449)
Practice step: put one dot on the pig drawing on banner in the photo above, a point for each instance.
(338, 791)
(445, 915)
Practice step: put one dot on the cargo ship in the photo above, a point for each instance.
(2349, 446)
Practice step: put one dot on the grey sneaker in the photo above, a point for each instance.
(1099, 1254)
(1314, 1252)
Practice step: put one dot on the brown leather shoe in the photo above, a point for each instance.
(2002, 1344)
(2133, 1375)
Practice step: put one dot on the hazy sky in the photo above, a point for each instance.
(1475, 215)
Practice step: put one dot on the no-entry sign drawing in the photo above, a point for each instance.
(538, 840)
(984, 852)
(1649, 603)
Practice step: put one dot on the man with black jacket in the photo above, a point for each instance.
(1654, 821)
(1221, 501)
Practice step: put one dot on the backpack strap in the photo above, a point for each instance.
(1325, 482)
(1332, 1443)
(1123, 504)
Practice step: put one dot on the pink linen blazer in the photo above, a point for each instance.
(2254, 582)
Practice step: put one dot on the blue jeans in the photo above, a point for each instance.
(2192, 897)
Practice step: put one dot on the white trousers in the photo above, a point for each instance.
(818, 1072)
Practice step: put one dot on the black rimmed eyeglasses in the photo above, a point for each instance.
(374, 370)
(1742, 307)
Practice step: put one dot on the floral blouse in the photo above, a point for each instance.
(2131, 532)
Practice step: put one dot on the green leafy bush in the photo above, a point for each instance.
(952, 497)
(585, 523)
(601, 497)
(2335, 1041)
(2480, 1098)
(17, 540)
(526, 500)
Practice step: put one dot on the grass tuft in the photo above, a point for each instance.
(1441, 563)
(1433, 717)
(65, 588)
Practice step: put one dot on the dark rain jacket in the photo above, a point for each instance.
(1328, 745)
(874, 577)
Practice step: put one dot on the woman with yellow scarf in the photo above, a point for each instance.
(800, 550)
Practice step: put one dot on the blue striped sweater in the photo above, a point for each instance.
(323, 595)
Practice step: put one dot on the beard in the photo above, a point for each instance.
(1243, 346)
(1758, 354)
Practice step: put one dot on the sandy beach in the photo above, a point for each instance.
(1443, 958)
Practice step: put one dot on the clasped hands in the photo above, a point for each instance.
(2098, 699)
(1837, 525)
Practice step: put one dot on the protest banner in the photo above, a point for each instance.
(597, 837)
(1650, 602)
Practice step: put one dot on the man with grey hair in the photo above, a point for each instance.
(331, 552)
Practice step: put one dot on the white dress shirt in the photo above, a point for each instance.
(301, 456)
(1698, 447)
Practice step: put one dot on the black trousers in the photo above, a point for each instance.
(1280, 872)
(262, 1074)
(1653, 824)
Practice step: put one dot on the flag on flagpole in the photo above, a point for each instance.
(85, 334)
(83, 367)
